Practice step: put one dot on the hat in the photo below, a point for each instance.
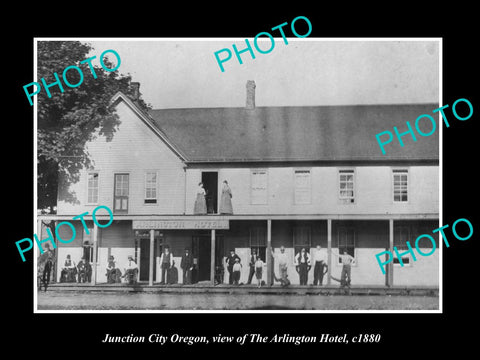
(130, 256)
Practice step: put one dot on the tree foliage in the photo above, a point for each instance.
(68, 120)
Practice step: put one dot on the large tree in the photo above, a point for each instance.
(66, 121)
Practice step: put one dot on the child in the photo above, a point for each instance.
(285, 282)
(236, 271)
(258, 270)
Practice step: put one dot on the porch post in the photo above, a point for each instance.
(389, 274)
(37, 253)
(150, 266)
(94, 254)
(39, 232)
(268, 257)
(329, 252)
(212, 258)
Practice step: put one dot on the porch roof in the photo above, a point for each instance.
(409, 216)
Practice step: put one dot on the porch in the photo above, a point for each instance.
(210, 237)
(206, 287)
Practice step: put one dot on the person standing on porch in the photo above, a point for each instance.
(302, 263)
(236, 271)
(347, 261)
(166, 262)
(187, 266)
(200, 207)
(251, 263)
(282, 260)
(226, 199)
(320, 261)
(259, 271)
(230, 261)
(45, 264)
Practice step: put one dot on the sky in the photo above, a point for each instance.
(183, 73)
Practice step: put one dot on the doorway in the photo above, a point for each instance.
(201, 250)
(210, 184)
(144, 261)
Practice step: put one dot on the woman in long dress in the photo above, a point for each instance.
(200, 202)
(226, 199)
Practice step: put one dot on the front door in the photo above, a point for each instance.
(202, 247)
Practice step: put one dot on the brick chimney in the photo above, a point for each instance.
(136, 90)
(250, 94)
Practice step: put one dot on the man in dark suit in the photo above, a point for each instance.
(45, 265)
(187, 266)
(251, 263)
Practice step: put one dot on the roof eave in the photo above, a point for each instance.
(120, 96)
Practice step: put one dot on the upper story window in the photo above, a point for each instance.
(151, 187)
(258, 190)
(92, 188)
(346, 182)
(302, 182)
(120, 202)
(400, 185)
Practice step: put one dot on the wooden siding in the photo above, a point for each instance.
(373, 191)
(134, 149)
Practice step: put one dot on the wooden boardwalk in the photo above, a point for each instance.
(249, 289)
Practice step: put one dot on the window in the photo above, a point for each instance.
(121, 193)
(302, 238)
(400, 185)
(346, 242)
(92, 188)
(346, 185)
(259, 187)
(401, 234)
(302, 187)
(258, 241)
(150, 188)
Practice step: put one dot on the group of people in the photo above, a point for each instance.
(200, 206)
(114, 274)
(169, 273)
(71, 272)
(303, 263)
(234, 267)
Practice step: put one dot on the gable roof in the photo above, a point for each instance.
(145, 117)
(297, 133)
